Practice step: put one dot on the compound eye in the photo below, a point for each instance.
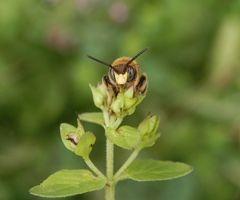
(111, 73)
(131, 73)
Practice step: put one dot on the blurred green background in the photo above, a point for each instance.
(193, 67)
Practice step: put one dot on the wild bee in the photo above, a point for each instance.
(124, 73)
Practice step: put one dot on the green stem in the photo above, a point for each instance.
(131, 158)
(110, 152)
(94, 168)
(110, 186)
(109, 192)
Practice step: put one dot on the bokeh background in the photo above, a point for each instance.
(193, 67)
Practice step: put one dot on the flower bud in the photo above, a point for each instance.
(129, 93)
(129, 99)
(125, 103)
(99, 95)
(71, 135)
(148, 130)
(76, 140)
(131, 104)
(118, 104)
(149, 124)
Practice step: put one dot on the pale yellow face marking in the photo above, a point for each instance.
(120, 78)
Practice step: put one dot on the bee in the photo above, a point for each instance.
(124, 73)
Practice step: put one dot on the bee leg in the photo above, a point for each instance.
(142, 85)
(109, 85)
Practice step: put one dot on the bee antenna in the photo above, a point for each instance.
(102, 62)
(138, 54)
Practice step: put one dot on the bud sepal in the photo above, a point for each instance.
(126, 137)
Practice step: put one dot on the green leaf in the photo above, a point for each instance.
(156, 170)
(126, 137)
(94, 117)
(67, 183)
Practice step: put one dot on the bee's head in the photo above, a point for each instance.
(122, 72)
(123, 69)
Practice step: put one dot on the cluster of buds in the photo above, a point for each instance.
(128, 137)
(119, 104)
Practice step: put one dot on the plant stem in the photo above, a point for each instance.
(110, 149)
(126, 164)
(110, 187)
(110, 192)
(94, 168)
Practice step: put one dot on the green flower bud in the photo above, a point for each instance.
(126, 137)
(149, 124)
(118, 104)
(85, 144)
(76, 140)
(129, 93)
(129, 99)
(71, 135)
(99, 95)
(148, 130)
(131, 104)
(125, 103)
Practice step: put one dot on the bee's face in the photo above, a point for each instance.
(121, 73)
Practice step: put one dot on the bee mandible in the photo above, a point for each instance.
(124, 73)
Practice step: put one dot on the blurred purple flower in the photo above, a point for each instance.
(82, 5)
(59, 40)
(118, 12)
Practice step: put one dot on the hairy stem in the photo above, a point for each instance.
(110, 152)
(109, 190)
(126, 164)
(110, 186)
(94, 168)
